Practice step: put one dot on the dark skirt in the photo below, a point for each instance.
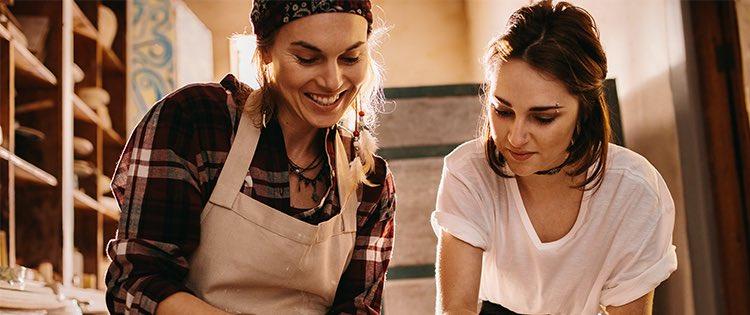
(489, 308)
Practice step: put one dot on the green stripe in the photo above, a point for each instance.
(415, 152)
(411, 272)
(432, 91)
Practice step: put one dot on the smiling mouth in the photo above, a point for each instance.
(325, 100)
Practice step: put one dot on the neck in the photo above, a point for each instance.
(549, 183)
(301, 139)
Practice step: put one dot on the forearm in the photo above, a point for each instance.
(641, 306)
(185, 303)
(459, 267)
(459, 312)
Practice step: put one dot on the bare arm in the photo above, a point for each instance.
(641, 306)
(184, 303)
(459, 268)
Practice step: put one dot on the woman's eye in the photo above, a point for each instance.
(503, 113)
(544, 120)
(306, 61)
(350, 60)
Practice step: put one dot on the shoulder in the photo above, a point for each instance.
(635, 184)
(468, 160)
(207, 99)
(633, 167)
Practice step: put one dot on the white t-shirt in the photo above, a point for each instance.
(619, 248)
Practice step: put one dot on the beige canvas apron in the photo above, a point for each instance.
(255, 259)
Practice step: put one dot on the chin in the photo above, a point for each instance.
(522, 171)
(321, 122)
(324, 118)
(318, 120)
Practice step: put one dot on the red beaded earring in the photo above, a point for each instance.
(358, 129)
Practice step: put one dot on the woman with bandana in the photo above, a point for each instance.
(542, 215)
(268, 201)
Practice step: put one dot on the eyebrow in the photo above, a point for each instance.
(312, 47)
(533, 109)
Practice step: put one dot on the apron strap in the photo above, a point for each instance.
(237, 164)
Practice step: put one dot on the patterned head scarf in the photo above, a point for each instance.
(269, 15)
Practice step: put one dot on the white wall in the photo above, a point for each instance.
(224, 18)
(427, 43)
(194, 61)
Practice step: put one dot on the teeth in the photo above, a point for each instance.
(324, 100)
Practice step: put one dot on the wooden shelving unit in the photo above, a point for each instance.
(27, 63)
(46, 211)
(85, 202)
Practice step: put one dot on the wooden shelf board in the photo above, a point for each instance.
(84, 201)
(28, 63)
(111, 61)
(26, 171)
(112, 136)
(82, 25)
(34, 106)
(83, 111)
(5, 33)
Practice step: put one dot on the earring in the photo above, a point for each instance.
(358, 124)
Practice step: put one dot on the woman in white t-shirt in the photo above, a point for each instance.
(542, 215)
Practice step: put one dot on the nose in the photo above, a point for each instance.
(518, 134)
(331, 77)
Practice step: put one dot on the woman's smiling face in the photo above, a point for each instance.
(319, 63)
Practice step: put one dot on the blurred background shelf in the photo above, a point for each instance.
(30, 68)
(82, 25)
(65, 212)
(27, 171)
(85, 202)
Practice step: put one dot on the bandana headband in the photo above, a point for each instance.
(269, 15)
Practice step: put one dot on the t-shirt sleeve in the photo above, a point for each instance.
(460, 210)
(642, 269)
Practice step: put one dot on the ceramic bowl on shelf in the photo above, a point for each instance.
(104, 117)
(29, 133)
(107, 26)
(78, 74)
(97, 98)
(29, 143)
(83, 168)
(109, 203)
(82, 147)
(104, 182)
(94, 96)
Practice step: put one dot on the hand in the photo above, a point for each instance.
(185, 303)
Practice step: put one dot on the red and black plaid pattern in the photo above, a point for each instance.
(165, 177)
(268, 15)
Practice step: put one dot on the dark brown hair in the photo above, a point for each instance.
(561, 41)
